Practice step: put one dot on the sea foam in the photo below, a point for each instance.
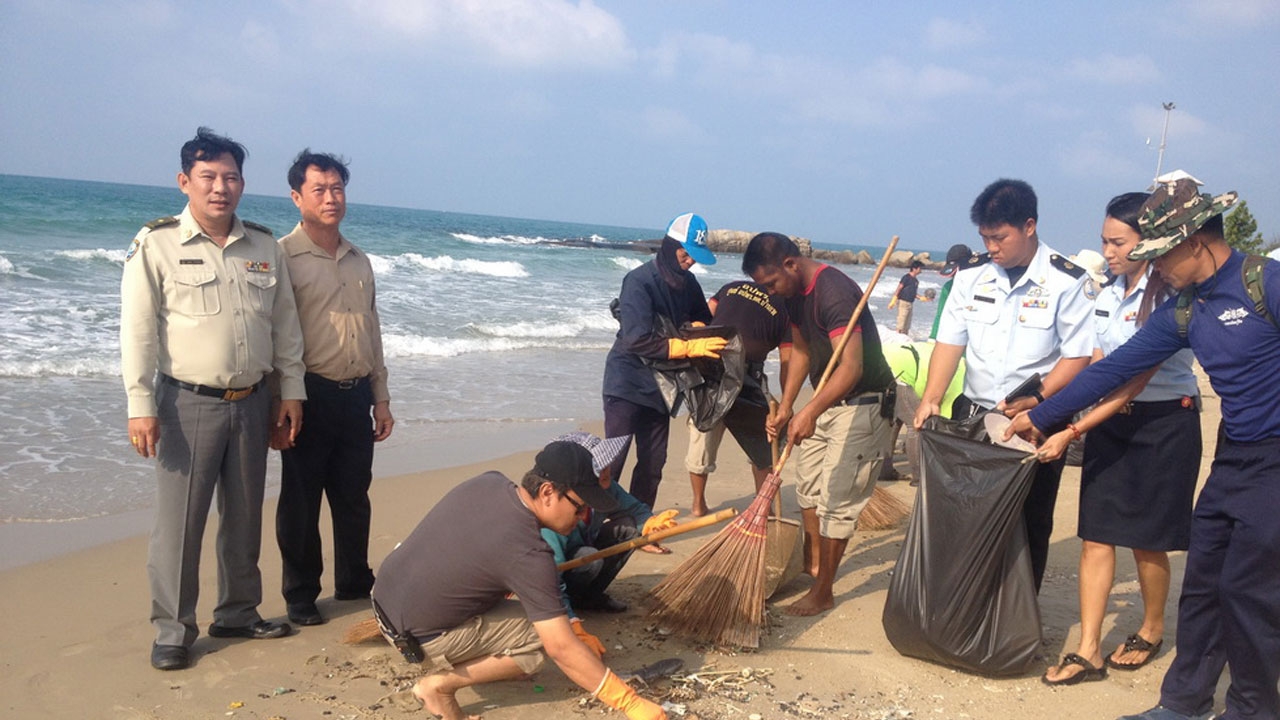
(115, 256)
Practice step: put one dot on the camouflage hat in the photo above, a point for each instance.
(1173, 213)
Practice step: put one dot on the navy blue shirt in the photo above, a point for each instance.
(645, 295)
(1239, 349)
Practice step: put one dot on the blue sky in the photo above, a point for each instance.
(844, 122)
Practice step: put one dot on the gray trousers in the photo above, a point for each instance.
(207, 446)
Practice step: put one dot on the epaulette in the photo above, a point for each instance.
(973, 262)
(161, 222)
(1066, 265)
(147, 229)
(259, 228)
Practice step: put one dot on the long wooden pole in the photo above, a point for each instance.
(652, 537)
(844, 339)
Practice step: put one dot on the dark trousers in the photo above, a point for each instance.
(333, 456)
(1229, 612)
(587, 583)
(649, 429)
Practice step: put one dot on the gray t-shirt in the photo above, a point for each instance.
(475, 546)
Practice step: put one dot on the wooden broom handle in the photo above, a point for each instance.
(844, 338)
(652, 537)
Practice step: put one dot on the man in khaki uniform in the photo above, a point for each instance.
(206, 313)
(346, 376)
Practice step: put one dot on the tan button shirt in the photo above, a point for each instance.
(222, 317)
(337, 307)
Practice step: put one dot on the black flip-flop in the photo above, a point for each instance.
(1136, 643)
(1088, 674)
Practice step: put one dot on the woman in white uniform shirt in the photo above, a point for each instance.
(1141, 460)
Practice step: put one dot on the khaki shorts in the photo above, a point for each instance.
(504, 630)
(904, 317)
(837, 467)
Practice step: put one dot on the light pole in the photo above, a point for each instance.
(1164, 134)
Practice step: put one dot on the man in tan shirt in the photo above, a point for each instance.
(206, 313)
(346, 376)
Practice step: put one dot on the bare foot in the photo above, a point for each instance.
(810, 604)
(656, 549)
(437, 702)
(699, 509)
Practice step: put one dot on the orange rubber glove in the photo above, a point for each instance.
(587, 638)
(709, 347)
(661, 521)
(620, 696)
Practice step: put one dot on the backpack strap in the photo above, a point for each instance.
(1182, 311)
(1251, 274)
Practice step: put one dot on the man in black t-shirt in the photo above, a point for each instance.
(904, 296)
(841, 434)
(443, 592)
(761, 322)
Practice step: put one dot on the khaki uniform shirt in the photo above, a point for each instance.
(221, 317)
(337, 307)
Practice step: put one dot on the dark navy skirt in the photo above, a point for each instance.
(1138, 481)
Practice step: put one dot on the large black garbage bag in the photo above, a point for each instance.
(962, 593)
(708, 385)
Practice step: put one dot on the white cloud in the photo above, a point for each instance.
(1112, 69)
(666, 123)
(521, 33)
(1092, 156)
(942, 34)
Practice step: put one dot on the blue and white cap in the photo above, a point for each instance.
(603, 452)
(690, 230)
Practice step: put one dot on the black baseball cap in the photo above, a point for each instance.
(568, 463)
(956, 255)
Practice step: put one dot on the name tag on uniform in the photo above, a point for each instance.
(1102, 313)
(980, 298)
(190, 261)
(257, 267)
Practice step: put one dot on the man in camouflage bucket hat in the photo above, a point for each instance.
(1173, 213)
(1230, 589)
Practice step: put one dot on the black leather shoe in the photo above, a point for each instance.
(345, 596)
(305, 613)
(169, 657)
(261, 630)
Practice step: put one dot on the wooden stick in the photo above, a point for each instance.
(652, 537)
(844, 339)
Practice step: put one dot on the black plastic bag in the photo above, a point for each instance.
(708, 385)
(962, 593)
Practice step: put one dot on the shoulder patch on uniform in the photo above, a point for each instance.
(974, 261)
(161, 222)
(146, 229)
(1066, 265)
(259, 228)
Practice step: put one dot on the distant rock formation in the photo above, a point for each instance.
(735, 241)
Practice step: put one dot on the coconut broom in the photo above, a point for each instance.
(717, 595)
(367, 629)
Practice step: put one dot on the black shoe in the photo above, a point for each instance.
(604, 603)
(261, 630)
(346, 596)
(305, 613)
(169, 657)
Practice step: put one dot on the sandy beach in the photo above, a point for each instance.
(75, 635)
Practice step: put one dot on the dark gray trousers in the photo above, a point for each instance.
(208, 447)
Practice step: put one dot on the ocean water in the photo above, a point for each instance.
(495, 333)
